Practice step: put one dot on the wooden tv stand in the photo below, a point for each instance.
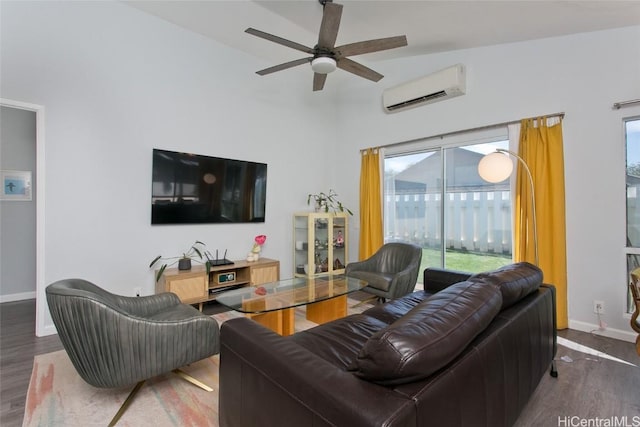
(194, 287)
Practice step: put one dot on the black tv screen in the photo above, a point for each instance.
(194, 189)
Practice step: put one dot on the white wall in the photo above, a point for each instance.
(116, 83)
(581, 75)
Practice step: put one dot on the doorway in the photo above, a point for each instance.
(35, 260)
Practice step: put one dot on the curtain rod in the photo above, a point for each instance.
(458, 132)
(618, 105)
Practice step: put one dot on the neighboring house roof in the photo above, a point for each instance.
(461, 172)
(633, 180)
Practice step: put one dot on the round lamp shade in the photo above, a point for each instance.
(323, 65)
(495, 167)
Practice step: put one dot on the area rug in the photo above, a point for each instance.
(57, 396)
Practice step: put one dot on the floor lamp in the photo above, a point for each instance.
(496, 167)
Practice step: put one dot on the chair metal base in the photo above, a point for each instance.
(192, 380)
(126, 403)
(139, 385)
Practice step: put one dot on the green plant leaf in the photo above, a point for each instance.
(159, 273)
(155, 260)
(196, 250)
(207, 266)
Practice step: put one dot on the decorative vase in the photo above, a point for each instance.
(184, 264)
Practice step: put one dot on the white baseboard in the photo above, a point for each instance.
(18, 297)
(609, 332)
(48, 330)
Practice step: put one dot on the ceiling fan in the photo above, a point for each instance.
(325, 55)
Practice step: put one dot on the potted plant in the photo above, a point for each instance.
(196, 252)
(325, 201)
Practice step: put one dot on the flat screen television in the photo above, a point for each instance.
(195, 189)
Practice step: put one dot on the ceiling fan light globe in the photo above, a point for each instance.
(323, 65)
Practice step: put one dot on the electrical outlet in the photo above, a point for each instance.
(137, 291)
(598, 307)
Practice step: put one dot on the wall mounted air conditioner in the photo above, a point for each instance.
(438, 86)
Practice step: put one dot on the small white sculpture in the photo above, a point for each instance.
(254, 255)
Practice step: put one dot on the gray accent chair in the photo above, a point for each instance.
(391, 272)
(115, 341)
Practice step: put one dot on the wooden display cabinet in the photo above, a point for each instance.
(194, 287)
(320, 243)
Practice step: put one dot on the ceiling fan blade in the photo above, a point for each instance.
(358, 69)
(284, 66)
(318, 81)
(369, 46)
(279, 40)
(330, 24)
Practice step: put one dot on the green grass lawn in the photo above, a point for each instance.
(463, 261)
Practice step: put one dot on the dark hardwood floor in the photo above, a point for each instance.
(588, 387)
(18, 346)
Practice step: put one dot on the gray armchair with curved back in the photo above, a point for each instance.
(391, 272)
(115, 341)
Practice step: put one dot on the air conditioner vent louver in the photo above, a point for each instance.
(440, 85)
(420, 100)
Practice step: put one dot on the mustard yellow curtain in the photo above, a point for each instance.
(541, 148)
(371, 234)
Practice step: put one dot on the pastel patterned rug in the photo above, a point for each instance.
(57, 395)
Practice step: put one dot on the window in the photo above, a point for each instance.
(460, 221)
(632, 139)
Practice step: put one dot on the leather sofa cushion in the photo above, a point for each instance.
(339, 342)
(516, 281)
(395, 309)
(430, 335)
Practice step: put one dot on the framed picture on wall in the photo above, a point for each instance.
(16, 185)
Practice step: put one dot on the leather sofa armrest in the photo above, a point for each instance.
(264, 375)
(437, 279)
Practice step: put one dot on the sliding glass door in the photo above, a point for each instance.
(632, 139)
(435, 198)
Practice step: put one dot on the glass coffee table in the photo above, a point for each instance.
(273, 304)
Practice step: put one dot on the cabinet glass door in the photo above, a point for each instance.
(339, 242)
(301, 246)
(321, 244)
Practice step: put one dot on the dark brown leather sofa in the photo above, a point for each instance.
(466, 351)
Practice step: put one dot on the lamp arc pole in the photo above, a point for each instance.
(533, 193)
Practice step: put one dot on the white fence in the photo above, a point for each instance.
(478, 221)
